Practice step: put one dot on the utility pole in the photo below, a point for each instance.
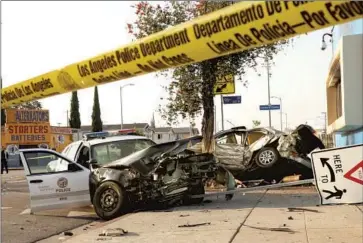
(222, 115)
(268, 88)
(215, 119)
(280, 99)
(325, 128)
(121, 107)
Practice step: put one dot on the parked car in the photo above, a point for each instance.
(266, 153)
(161, 174)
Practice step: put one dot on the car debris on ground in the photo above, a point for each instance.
(114, 232)
(193, 225)
(302, 210)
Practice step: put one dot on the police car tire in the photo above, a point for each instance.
(120, 207)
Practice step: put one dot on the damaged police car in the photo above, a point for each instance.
(158, 174)
(163, 174)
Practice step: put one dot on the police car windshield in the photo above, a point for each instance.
(107, 152)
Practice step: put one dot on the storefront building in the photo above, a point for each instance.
(344, 85)
(31, 129)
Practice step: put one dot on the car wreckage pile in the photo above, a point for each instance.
(170, 173)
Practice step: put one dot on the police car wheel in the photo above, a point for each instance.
(109, 200)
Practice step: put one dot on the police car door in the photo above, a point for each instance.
(63, 186)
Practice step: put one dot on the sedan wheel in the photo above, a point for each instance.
(267, 157)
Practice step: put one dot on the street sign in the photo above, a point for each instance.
(224, 85)
(339, 174)
(232, 99)
(269, 107)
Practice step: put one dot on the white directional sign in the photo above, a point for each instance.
(339, 174)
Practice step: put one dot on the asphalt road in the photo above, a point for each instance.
(19, 226)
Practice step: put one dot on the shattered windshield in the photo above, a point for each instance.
(107, 152)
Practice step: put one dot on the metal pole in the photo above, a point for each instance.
(222, 115)
(325, 129)
(281, 113)
(268, 90)
(121, 107)
(215, 119)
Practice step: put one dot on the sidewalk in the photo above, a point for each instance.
(254, 217)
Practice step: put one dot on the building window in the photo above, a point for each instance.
(160, 136)
(339, 106)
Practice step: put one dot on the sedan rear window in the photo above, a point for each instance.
(108, 152)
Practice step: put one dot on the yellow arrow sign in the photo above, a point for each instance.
(242, 26)
(225, 85)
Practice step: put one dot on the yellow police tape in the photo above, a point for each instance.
(239, 27)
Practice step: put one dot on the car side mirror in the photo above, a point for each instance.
(73, 167)
(92, 161)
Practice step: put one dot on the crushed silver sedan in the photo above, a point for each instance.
(266, 153)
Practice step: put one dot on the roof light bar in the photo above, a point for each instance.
(94, 135)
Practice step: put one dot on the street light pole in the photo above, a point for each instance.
(280, 109)
(222, 115)
(215, 119)
(121, 87)
(325, 128)
(268, 89)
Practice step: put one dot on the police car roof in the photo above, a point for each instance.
(96, 141)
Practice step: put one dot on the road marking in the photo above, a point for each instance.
(3, 208)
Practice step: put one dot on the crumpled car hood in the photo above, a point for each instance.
(149, 154)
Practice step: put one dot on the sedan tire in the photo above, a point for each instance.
(267, 157)
(109, 201)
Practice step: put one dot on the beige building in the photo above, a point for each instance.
(344, 86)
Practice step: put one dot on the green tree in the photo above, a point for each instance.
(31, 105)
(256, 123)
(191, 91)
(96, 113)
(3, 117)
(75, 116)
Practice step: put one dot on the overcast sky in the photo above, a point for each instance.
(37, 37)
